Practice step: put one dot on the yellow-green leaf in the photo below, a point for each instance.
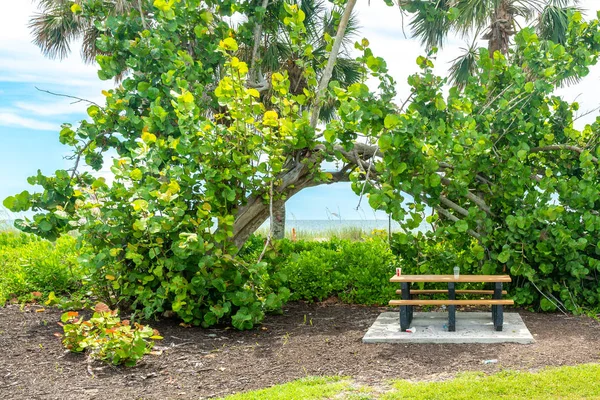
(136, 174)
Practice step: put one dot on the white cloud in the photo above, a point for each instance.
(12, 119)
(22, 61)
(47, 109)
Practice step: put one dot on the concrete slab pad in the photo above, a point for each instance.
(471, 327)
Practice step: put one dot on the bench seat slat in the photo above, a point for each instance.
(505, 302)
(434, 291)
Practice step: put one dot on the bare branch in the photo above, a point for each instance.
(142, 14)
(270, 235)
(257, 32)
(79, 99)
(475, 199)
(454, 206)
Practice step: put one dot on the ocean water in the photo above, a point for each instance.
(320, 225)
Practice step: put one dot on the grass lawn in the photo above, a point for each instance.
(305, 389)
(578, 382)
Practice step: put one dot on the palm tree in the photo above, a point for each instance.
(55, 27)
(277, 52)
(498, 19)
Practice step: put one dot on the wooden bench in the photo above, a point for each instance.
(407, 304)
(439, 291)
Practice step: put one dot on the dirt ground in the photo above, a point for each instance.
(309, 339)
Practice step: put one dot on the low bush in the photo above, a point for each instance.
(105, 337)
(354, 271)
(30, 264)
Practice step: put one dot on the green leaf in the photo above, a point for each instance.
(45, 225)
(140, 225)
(140, 205)
(440, 104)
(385, 142)
(10, 202)
(391, 121)
(546, 305)
(504, 256)
(462, 226)
(435, 180)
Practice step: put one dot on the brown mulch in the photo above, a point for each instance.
(309, 339)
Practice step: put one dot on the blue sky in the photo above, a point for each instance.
(30, 120)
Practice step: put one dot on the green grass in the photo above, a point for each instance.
(345, 233)
(578, 382)
(304, 389)
(29, 264)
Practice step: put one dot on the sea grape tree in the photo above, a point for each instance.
(203, 146)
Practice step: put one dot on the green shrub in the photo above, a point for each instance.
(30, 264)
(368, 267)
(315, 274)
(355, 272)
(106, 337)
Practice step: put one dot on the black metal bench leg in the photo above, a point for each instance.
(499, 320)
(451, 308)
(405, 311)
(497, 311)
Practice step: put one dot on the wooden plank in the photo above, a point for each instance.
(436, 291)
(450, 278)
(506, 302)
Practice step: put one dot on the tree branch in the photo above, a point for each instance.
(475, 199)
(326, 77)
(453, 218)
(454, 206)
(252, 74)
(79, 99)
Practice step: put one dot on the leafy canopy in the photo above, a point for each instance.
(199, 158)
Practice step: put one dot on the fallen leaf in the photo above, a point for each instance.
(36, 294)
(101, 307)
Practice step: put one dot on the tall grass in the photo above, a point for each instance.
(346, 233)
(6, 220)
(30, 264)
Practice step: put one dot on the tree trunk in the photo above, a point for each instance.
(278, 223)
(501, 29)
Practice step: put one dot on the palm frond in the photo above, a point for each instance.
(54, 27)
(346, 71)
(474, 14)
(553, 22)
(89, 51)
(464, 66)
(431, 23)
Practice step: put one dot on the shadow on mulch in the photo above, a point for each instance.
(308, 339)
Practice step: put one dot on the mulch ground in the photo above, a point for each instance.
(308, 339)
